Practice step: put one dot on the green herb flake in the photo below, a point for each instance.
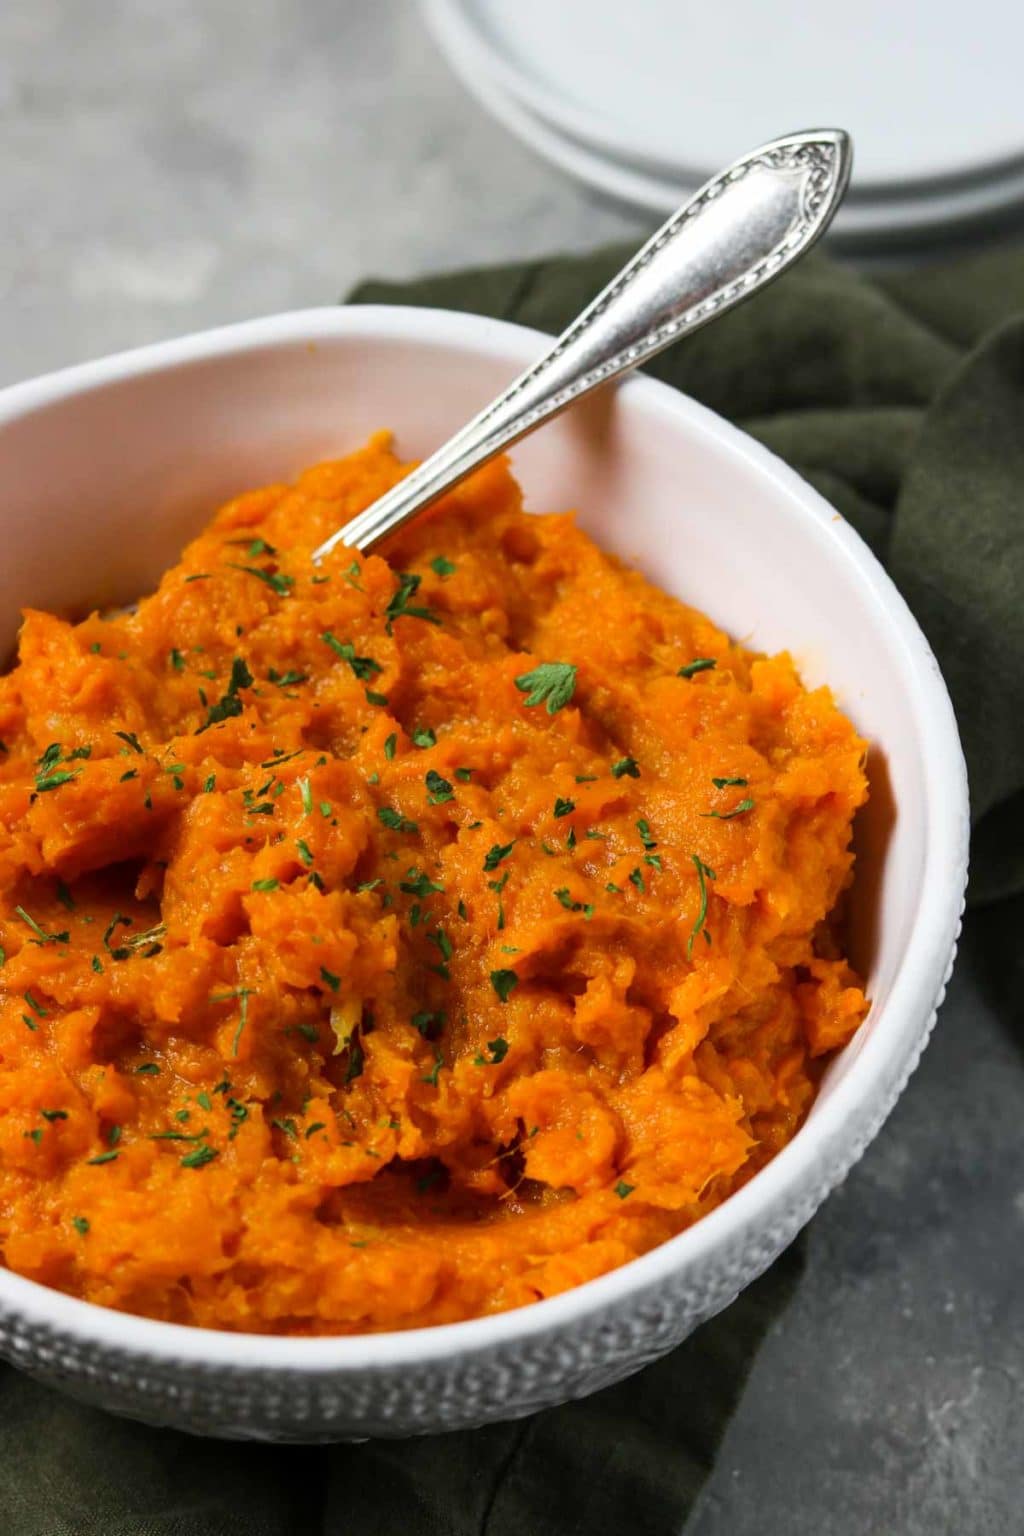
(729, 783)
(334, 982)
(400, 606)
(442, 566)
(564, 807)
(636, 877)
(199, 1156)
(622, 1189)
(439, 790)
(275, 580)
(54, 1114)
(394, 820)
(424, 737)
(305, 852)
(80, 1224)
(645, 834)
(504, 983)
(131, 740)
(498, 1049)
(626, 767)
(432, 1076)
(738, 810)
(364, 667)
(389, 746)
(699, 664)
(48, 781)
(104, 1157)
(704, 874)
(41, 936)
(551, 683)
(267, 885)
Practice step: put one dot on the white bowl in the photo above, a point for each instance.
(107, 468)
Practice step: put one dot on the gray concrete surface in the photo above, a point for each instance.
(168, 164)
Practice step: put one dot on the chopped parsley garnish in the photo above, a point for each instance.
(704, 874)
(432, 1076)
(389, 746)
(498, 1049)
(738, 810)
(41, 936)
(636, 877)
(54, 1114)
(699, 664)
(504, 983)
(356, 1061)
(562, 895)
(622, 1189)
(65, 897)
(230, 705)
(364, 667)
(428, 1024)
(626, 767)
(564, 807)
(334, 982)
(305, 852)
(177, 660)
(497, 853)
(417, 884)
(199, 1156)
(395, 820)
(424, 737)
(48, 781)
(289, 679)
(442, 566)
(645, 834)
(80, 1224)
(728, 783)
(400, 606)
(439, 790)
(551, 683)
(104, 1157)
(147, 1069)
(131, 739)
(275, 580)
(37, 1008)
(241, 677)
(380, 699)
(266, 885)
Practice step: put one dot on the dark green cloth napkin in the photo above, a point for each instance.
(902, 399)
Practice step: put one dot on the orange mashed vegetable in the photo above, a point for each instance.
(356, 979)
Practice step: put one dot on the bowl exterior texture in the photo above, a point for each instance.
(110, 467)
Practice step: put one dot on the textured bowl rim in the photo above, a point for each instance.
(886, 1054)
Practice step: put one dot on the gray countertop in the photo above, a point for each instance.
(170, 164)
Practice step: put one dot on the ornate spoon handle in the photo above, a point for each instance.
(738, 233)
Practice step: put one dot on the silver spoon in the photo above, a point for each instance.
(741, 230)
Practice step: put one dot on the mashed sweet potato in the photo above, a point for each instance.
(403, 940)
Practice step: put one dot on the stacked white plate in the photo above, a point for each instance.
(645, 99)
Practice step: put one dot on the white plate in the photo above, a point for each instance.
(859, 223)
(930, 92)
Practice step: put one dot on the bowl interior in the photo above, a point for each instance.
(107, 470)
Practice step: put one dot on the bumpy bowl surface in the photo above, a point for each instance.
(108, 468)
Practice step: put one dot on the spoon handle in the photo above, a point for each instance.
(741, 230)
